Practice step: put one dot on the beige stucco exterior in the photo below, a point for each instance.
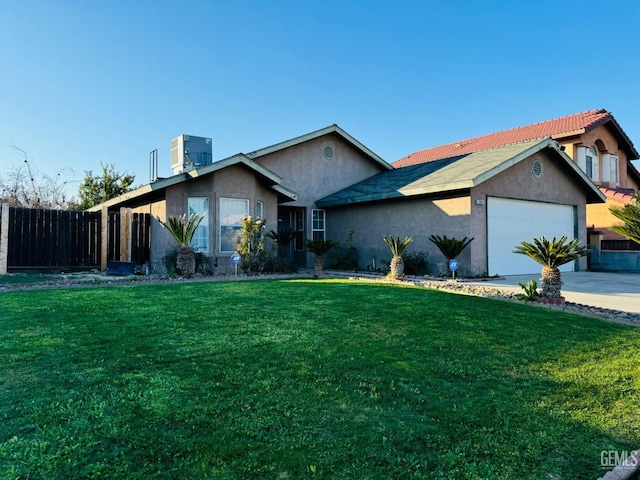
(598, 216)
(459, 215)
(306, 171)
(232, 182)
(289, 179)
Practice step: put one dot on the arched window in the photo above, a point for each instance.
(592, 162)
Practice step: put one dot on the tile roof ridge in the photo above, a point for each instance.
(549, 121)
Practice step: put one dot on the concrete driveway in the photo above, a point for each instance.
(616, 291)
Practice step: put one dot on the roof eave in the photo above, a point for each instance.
(633, 153)
(272, 178)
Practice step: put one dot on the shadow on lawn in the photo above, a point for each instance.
(239, 381)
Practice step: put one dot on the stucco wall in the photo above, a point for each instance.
(518, 182)
(232, 182)
(607, 143)
(600, 218)
(415, 217)
(459, 216)
(615, 260)
(305, 171)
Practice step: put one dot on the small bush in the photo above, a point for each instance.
(345, 256)
(530, 291)
(415, 263)
(279, 264)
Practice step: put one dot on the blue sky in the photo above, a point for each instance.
(90, 82)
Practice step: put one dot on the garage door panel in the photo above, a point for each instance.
(509, 222)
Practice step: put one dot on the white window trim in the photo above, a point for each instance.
(260, 209)
(324, 223)
(236, 224)
(614, 169)
(204, 224)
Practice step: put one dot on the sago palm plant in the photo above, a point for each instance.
(319, 248)
(551, 254)
(398, 247)
(630, 215)
(183, 229)
(450, 247)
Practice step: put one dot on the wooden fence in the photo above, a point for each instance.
(619, 245)
(59, 239)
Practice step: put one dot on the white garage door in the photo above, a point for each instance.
(509, 222)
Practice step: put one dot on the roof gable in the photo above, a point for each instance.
(454, 173)
(558, 128)
(159, 186)
(319, 133)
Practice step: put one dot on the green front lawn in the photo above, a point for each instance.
(308, 379)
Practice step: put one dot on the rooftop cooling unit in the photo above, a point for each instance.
(189, 152)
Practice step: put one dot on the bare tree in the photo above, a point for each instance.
(24, 186)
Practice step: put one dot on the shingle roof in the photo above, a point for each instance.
(450, 174)
(563, 127)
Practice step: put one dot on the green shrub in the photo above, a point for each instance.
(345, 257)
(415, 263)
(530, 291)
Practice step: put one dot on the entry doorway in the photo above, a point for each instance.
(294, 218)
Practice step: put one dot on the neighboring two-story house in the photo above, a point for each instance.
(593, 139)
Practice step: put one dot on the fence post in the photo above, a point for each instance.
(104, 240)
(125, 234)
(4, 237)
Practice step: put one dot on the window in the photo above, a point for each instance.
(592, 163)
(614, 169)
(318, 224)
(260, 210)
(589, 164)
(232, 212)
(198, 206)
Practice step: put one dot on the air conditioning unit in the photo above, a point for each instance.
(189, 152)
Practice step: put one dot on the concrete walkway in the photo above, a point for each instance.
(616, 291)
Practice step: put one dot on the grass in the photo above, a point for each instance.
(307, 379)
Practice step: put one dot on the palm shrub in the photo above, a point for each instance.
(551, 254)
(282, 261)
(450, 247)
(319, 248)
(183, 229)
(398, 247)
(630, 215)
(252, 245)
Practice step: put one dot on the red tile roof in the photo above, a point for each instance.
(563, 127)
(623, 195)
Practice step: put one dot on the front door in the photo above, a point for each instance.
(294, 218)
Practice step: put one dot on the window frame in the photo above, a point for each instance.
(318, 224)
(614, 172)
(226, 226)
(260, 210)
(203, 232)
